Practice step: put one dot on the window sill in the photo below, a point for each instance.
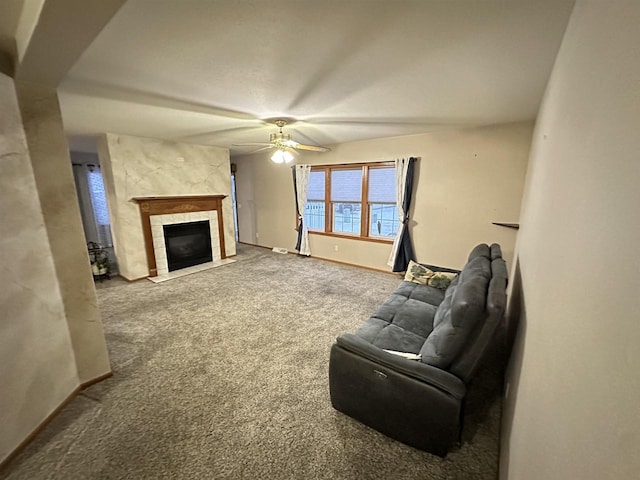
(352, 237)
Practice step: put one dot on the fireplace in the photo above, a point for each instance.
(157, 213)
(187, 244)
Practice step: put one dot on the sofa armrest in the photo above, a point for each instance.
(416, 369)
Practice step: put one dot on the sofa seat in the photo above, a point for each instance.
(405, 320)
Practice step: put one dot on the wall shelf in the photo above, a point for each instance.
(508, 225)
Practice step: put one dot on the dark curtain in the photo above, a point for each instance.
(405, 249)
(295, 195)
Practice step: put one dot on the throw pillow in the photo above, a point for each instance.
(417, 273)
(441, 280)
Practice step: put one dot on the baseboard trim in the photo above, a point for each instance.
(354, 265)
(328, 260)
(18, 450)
(255, 245)
(93, 381)
(36, 431)
(130, 280)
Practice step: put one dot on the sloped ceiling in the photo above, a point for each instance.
(215, 72)
(9, 20)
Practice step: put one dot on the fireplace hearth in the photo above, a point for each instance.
(187, 244)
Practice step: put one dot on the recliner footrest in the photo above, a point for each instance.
(397, 405)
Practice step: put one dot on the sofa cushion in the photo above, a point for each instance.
(499, 268)
(441, 280)
(417, 273)
(497, 296)
(371, 328)
(393, 337)
(444, 309)
(461, 310)
(479, 266)
(423, 293)
(480, 250)
(405, 319)
(497, 292)
(422, 275)
(468, 303)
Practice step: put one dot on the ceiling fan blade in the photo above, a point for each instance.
(267, 145)
(259, 150)
(313, 148)
(210, 132)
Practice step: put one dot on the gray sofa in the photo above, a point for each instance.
(419, 401)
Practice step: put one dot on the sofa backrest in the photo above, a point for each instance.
(480, 250)
(459, 313)
(469, 314)
(467, 363)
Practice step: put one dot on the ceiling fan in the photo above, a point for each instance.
(285, 147)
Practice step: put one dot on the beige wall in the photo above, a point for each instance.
(466, 179)
(56, 188)
(146, 167)
(38, 366)
(571, 410)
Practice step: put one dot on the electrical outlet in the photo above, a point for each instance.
(335, 248)
(257, 235)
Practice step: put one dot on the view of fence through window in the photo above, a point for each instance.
(346, 195)
(314, 215)
(384, 220)
(383, 213)
(346, 218)
(346, 201)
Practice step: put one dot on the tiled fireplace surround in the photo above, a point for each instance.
(156, 212)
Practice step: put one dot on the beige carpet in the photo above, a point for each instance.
(223, 375)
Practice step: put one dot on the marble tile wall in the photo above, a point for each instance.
(38, 365)
(145, 167)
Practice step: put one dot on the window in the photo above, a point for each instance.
(314, 213)
(356, 200)
(383, 213)
(99, 204)
(346, 198)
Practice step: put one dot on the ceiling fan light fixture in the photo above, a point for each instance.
(280, 137)
(284, 145)
(281, 156)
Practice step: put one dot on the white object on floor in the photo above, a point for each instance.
(189, 270)
(280, 250)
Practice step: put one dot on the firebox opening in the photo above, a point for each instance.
(187, 244)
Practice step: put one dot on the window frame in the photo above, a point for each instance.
(365, 205)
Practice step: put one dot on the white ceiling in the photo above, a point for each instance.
(210, 72)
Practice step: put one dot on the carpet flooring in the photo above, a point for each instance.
(223, 375)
